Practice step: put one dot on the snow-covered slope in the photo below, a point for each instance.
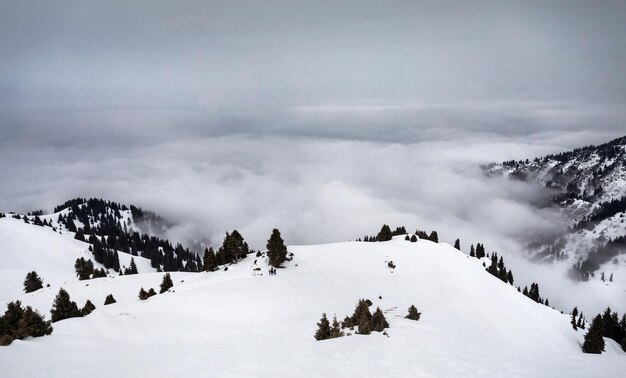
(26, 247)
(243, 322)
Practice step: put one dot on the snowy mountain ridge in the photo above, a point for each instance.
(239, 321)
(589, 186)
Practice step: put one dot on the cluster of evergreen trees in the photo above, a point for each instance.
(582, 270)
(364, 321)
(234, 248)
(605, 210)
(103, 218)
(166, 284)
(63, 307)
(497, 269)
(85, 269)
(609, 325)
(479, 252)
(385, 234)
(533, 293)
(578, 320)
(433, 236)
(20, 323)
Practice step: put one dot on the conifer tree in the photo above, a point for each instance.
(335, 330)
(133, 267)
(63, 307)
(83, 268)
(457, 244)
(384, 234)
(32, 324)
(166, 284)
(87, 308)
(209, 262)
(364, 326)
(379, 323)
(143, 295)
(151, 293)
(434, 237)
(574, 315)
(594, 343)
(413, 313)
(323, 330)
(32, 282)
(472, 252)
(413, 238)
(109, 300)
(276, 249)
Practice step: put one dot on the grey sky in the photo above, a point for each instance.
(402, 71)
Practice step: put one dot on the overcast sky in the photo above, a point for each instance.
(326, 118)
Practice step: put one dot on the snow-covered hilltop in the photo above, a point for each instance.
(240, 321)
(589, 184)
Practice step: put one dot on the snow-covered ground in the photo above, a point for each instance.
(243, 322)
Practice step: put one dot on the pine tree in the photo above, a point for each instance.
(83, 268)
(151, 293)
(63, 307)
(335, 330)
(434, 237)
(143, 295)
(472, 253)
(276, 249)
(323, 330)
(109, 300)
(413, 238)
(209, 262)
(133, 267)
(379, 323)
(594, 343)
(364, 325)
(509, 277)
(32, 282)
(457, 244)
(384, 234)
(32, 324)
(87, 308)
(413, 313)
(166, 284)
(9, 322)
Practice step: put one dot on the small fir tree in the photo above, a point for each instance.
(323, 329)
(109, 300)
(413, 313)
(457, 244)
(87, 308)
(335, 330)
(32, 282)
(379, 323)
(166, 284)
(143, 295)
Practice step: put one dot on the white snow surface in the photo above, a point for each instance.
(245, 323)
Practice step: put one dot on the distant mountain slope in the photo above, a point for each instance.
(589, 184)
(243, 322)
